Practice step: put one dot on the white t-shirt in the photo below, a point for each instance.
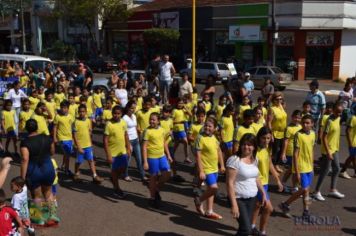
(20, 203)
(16, 97)
(185, 88)
(245, 182)
(121, 94)
(131, 126)
(165, 69)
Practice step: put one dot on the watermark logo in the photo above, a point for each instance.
(317, 223)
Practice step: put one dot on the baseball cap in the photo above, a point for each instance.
(247, 74)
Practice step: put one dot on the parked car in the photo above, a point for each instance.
(103, 82)
(278, 77)
(204, 69)
(102, 64)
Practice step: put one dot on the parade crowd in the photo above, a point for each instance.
(148, 118)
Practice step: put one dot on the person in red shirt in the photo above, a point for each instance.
(7, 216)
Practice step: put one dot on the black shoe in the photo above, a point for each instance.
(120, 194)
(158, 196)
(255, 232)
(178, 178)
(306, 213)
(285, 209)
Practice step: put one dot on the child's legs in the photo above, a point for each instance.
(267, 210)
(185, 143)
(306, 199)
(115, 179)
(7, 143)
(165, 176)
(211, 181)
(118, 167)
(335, 164)
(255, 212)
(324, 170)
(92, 167)
(152, 185)
(14, 140)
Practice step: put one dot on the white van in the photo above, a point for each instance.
(26, 61)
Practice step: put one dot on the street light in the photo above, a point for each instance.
(193, 43)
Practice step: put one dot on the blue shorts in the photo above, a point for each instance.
(11, 134)
(228, 145)
(54, 189)
(158, 165)
(179, 135)
(40, 174)
(211, 179)
(87, 155)
(187, 125)
(306, 179)
(259, 194)
(119, 162)
(289, 160)
(67, 147)
(352, 151)
(98, 112)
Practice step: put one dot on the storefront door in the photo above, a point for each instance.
(319, 62)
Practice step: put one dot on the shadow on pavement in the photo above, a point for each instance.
(351, 209)
(349, 231)
(162, 233)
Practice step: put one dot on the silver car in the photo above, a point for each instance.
(204, 69)
(279, 79)
(103, 82)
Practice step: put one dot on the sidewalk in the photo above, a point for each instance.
(326, 86)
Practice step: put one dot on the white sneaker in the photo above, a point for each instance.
(336, 194)
(319, 197)
(345, 175)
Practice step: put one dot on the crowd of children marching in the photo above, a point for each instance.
(211, 133)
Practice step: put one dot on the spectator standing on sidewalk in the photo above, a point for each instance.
(317, 101)
(249, 85)
(167, 71)
(185, 87)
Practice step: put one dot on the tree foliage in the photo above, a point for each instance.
(84, 11)
(161, 39)
(60, 51)
(8, 7)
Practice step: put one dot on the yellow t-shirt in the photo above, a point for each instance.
(90, 105)
(279, 122)
(9, 119)
(305, 142)
(178, 116)
(77, 99)
(189, 106)
(263, 156)
(156, 109)
(167, 125)
(155, 138)
(352, 125)
(323, 122)
(73, 110)
(243, 108)
(195, 98)
(24, 116)
(195, 129)
(256, 127)
(58, 98)
(107, 115)
(64, 124)
(139, 103)
(33, 102)
(208, 147)
(41, 96)
(227, 129)
(289, 134)
(117, 142)
(332, 130)
(55, 166)
(97, 100)
(241, 131)
(143, 119)
(41, 123)
(82, 129)
(24, 81)
(219, 111)
(51, 107)
(207, 106)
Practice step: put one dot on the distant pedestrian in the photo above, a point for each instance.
(167, 72)
(185, 87)
(267, 90)
(317, 100)
(249, 85)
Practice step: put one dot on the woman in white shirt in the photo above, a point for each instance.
(131, 122)
(243, 183)
(121, 93)
(15, 95)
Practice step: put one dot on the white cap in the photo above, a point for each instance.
(247, 74)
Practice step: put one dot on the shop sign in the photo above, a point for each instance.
(320, 39)
(285, 38)
(244, 32)
(166, 20)
(222, 37)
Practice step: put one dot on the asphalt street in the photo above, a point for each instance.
(89, 209)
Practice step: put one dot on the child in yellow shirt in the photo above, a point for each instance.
(8, 125)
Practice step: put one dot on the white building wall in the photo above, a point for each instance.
(347, 56)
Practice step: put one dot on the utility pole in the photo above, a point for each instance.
(24, 49)
(275, 32)
(193, 42)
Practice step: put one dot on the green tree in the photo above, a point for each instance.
(162, 40)
(84, 11)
